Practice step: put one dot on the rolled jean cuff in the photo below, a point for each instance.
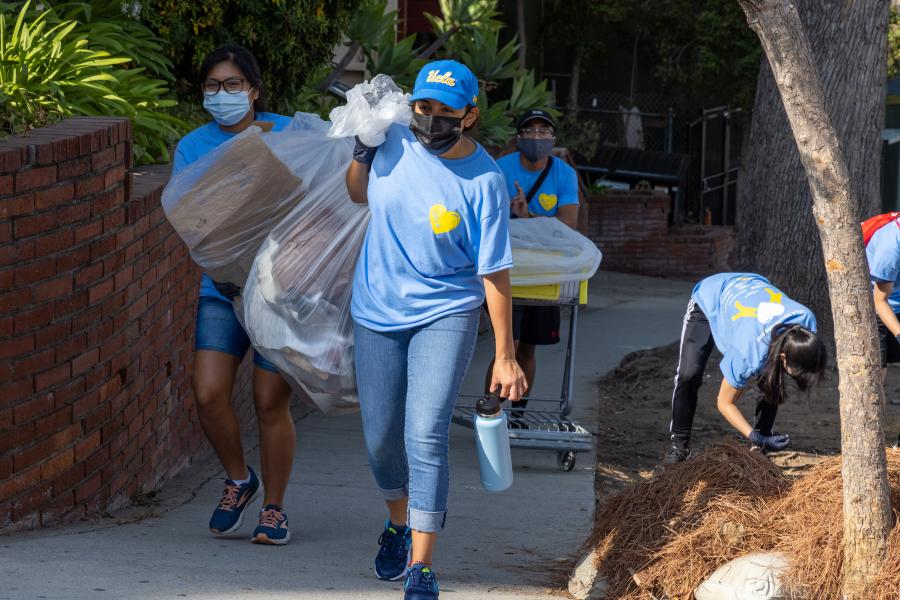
(426, 522)
(395, 494)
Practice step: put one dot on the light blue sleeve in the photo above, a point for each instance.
(734, 370)
(884, 258)
(183, 155)
(568, 185)
(493, 247)
(508, 168)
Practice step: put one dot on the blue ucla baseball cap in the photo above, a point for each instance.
(447, 81)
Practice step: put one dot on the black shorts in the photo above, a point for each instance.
(890, 347)
(536, 325)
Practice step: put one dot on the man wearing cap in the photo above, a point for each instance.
(539, 186)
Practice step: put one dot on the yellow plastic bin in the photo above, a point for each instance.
(553, 292)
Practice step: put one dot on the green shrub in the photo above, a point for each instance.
(50, 69)
(290, 38)
(115, 26)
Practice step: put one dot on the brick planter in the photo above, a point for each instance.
(97, 305)
(631, 229)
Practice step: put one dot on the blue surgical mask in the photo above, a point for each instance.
(227, 109)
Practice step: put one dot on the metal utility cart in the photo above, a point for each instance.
(545, 424)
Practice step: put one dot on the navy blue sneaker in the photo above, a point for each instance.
(421, 583)
(393, 556)
(273, 526)
(229, 514)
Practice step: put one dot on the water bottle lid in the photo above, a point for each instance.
(489, 406)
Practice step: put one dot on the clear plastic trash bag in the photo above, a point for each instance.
(295, 306)
(225, 204)
(547, 251)
(372, 107)
(211, 204)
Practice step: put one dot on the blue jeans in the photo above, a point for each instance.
(218, 329)
(408, 383)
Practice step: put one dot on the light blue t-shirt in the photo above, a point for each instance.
(743, 309)
(195, 146)
(883, 254)
(558, 189)
(436, 226)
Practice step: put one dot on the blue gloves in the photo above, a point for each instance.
(229, 290)
(364, 154)
(769, 442)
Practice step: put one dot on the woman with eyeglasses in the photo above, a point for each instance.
(234, 95)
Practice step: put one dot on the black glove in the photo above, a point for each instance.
(770, 442)
(364, 154)
(898, 338)
(229, 290)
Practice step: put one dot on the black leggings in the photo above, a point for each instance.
(696, 346)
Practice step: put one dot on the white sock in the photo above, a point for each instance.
(243, 481)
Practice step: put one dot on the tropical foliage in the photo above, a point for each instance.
(52, 67)
(290, 39)
(468, 31)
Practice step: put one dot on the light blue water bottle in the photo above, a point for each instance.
(492, 441)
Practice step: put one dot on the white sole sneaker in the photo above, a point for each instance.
(240, 520)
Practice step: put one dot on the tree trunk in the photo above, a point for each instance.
(438, 43)
(867, 511)
(575, 80)
(848, 43)
(520, 22)
(339, 69)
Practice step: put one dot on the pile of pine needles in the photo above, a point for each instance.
(664, 537)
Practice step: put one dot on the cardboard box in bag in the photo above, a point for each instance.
(229, 211)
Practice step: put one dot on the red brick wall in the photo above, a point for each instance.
(97, 305)
(631, 229)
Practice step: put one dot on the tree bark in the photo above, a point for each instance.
(848, 42)
(575, 80)
(339, 69)
(438, 43)
(867, 511)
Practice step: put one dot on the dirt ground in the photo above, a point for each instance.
(634, 415)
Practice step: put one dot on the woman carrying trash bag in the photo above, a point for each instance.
(234, 95)
(761, 333)
(437, 246)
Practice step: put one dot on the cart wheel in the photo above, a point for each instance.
(565, 461)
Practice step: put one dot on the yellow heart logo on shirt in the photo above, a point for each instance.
(547, 201)
(443, 220)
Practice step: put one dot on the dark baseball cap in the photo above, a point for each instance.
(536, 113)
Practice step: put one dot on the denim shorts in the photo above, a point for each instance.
(218, 329)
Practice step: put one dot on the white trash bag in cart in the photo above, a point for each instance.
(225, 204)
(547, 251)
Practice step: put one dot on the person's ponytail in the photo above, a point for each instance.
(805, 355)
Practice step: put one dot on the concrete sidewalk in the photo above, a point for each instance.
(515, 545)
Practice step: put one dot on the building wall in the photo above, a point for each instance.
(97, 306)
(631, 229)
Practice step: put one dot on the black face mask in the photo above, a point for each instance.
(437, 134)
(535, 149)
